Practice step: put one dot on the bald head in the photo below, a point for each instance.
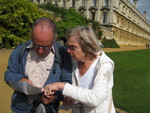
(43, 31)
(44, 23)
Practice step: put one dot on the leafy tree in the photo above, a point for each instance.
(16, 18)
(97, 29)
(68, 18)
(57, 11)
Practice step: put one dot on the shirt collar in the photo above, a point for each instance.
(30, 46)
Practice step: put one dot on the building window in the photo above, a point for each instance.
(104, 17)
(83, 2)
(106, 3)
(123, 9)
(118, 20)
(93, 15)
(120, 34)
(122, 22)
(125, 23)
(94, 2)
(73, 3)
(56, 3)
(119, 6)
(116, 34)
(64, 3)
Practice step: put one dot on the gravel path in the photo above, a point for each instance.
(123, 48)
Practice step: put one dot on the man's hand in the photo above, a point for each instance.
(27, 80)
(47, 100)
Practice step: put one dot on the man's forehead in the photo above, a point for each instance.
(42, 28)
(42, 43)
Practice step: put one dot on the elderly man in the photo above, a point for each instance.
(35, 63)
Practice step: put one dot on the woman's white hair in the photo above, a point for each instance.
(86, 39)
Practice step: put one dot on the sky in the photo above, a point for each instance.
(143, 5)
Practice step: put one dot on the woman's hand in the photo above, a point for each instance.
(50, 89)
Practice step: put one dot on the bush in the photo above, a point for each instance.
(109, 43)
(69, 18)
(16, 18)
(96, 27)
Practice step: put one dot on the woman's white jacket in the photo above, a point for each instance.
(99, 98)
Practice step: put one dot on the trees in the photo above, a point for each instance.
(69, 18)
(16, 18)
(109, 43)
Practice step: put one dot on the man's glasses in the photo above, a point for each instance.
(42, 47)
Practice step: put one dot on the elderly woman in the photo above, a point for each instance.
(92, 77)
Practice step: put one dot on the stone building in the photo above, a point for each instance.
(119, 18)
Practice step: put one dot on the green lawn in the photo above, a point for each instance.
(132, 80)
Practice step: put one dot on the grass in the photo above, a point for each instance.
(132, 80)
